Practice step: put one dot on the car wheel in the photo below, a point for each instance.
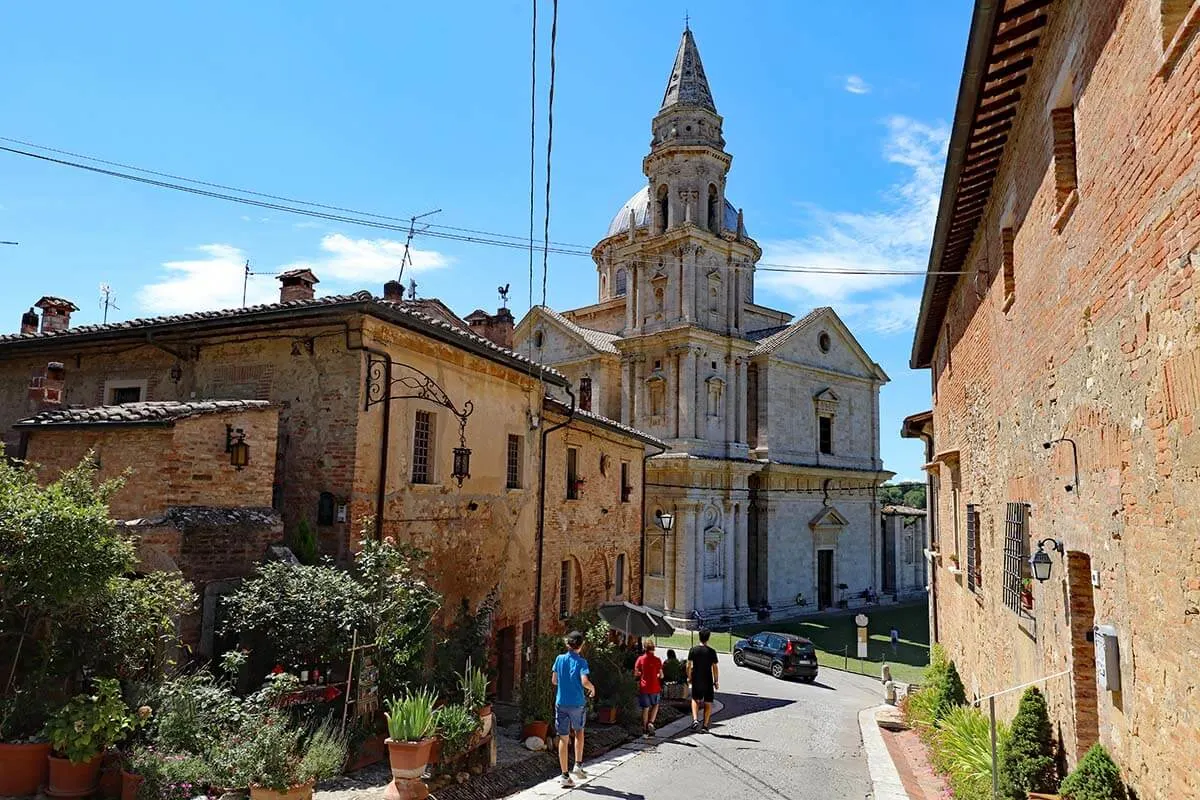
(777, 670)
(739, 659)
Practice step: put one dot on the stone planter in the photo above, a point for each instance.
(302, 792)
(130, 783)
(72, 780)
(23, 767)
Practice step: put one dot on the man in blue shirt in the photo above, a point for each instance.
(571, 677)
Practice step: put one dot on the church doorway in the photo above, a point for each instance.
(824, 579)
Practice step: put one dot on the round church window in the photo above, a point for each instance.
(823, 342)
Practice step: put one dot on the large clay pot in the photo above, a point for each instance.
(435, 750)
(486, 719)
(23, 767)
(536, 729)
(130, 783)
(408, 759)
(302, 792)
(73, 780)
(110, 776)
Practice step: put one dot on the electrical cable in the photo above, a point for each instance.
(549, 149)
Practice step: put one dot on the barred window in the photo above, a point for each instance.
(620, 574)
(1016, 552)
(514, 462)
(572, 473)
(626, 489)
(422, 460)
(974, 557)
(564, 590)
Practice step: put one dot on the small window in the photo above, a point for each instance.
(626, 489)
(826, 435)
(1066, 179)
(585, 393)
(1008, 265)
(621, 282)
(126, 394)
(572, 473)
(620, 585)
(514, 462)
(564, 590)
(325, 508)
(1016, 551)
(422, 461)
(974, 558)
(1173, 13)
(537, 339)
(824, 342)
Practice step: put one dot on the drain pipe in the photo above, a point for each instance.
(381, 489)
(541, 525)
(642, 557)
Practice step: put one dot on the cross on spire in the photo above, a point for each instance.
(686, 19)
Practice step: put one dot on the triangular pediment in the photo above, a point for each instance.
(804, 341)
(545, 320)
(829, 517)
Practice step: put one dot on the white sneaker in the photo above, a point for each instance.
(579, 772)
(566, 782)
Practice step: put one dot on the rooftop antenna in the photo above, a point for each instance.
(9, 242)
(412, 289)
(107, 300)
(412, 230)
(247, 272)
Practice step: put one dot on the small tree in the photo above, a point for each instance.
(1096, 777)
(1027, 760)
(303, 543)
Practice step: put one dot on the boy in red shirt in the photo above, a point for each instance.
(648, 671)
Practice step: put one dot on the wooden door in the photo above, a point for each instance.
(824, 578)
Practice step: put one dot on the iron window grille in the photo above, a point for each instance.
(564, 591)
(974, 559)
(1016, 552)
(422, 448)
(514, 462)
(620, 574)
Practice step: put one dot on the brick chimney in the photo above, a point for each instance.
(496, 328)
(29, 322)
(296, 284)
(393, 292)
(46, 390)
(56, 313)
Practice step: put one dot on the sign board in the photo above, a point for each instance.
(1108, 658)
(366, 700)
(862, 641)
(860, 620)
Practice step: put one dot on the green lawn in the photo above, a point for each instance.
(834, 636)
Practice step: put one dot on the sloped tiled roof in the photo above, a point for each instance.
(398, 312)
(604, 342)
(605, 422)
(907, 511)
(773, 338)
(150, 413)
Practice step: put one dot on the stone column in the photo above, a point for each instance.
(698, 568)
(627, 390)
(637, 393)
(730, 402)
(700, 399)
(687, 282)
(685, 556)
(743, 410)
(729, 569)
(741, 545)
(672, 398)
(630, 291)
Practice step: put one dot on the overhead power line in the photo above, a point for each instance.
(380, 221)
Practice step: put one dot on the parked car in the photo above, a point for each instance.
(784, 655)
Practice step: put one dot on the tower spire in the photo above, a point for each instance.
(688, 85)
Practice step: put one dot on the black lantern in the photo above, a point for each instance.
(1040, 563)
(665, 520)
(462, 464)
(235, 445)
(176, 372)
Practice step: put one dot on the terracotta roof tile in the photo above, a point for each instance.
(149, 413)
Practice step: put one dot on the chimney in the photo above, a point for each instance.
(393, 292)
(496, 328)
(56, 313)
(29, 322)
(46, 390)
(296, 284)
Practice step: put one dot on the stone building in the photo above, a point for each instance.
(903, 544)
(772, 424)
(1065, 374)
(356, 411)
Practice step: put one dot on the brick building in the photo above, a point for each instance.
(1065, 373)
(357, 411)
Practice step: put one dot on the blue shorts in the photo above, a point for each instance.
(568, 718)
(647, 700)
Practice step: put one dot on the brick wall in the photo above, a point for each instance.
(1097, 346)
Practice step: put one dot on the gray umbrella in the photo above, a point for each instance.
(635, 620)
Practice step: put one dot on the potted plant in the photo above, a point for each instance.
(276, 760)
(537, 693)
(456, 725)
(410, 721)
(163, 776)
(474, 684)
(1027, 592)
(23, 747)
(80, 732)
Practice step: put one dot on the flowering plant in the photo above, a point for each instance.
(168, 776)
(89, 724)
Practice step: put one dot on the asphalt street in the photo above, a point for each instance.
(773, 739)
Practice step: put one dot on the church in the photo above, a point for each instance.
(772, 422)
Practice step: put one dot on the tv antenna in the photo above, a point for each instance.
(412, 230)
(412, 289)
(107, 300)
(246, 273)
(9, 242)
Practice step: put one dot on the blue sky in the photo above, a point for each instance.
(836, 115)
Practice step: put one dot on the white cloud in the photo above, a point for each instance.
(856, 85)
(895, 238)
(368, 260)
(210, 282)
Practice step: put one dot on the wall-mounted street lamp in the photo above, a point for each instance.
(1074, 459)
(1040, 563)
(665, 520)
(235, 445)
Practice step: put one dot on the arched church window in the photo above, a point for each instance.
(713, 215)
(662, 210)
(621, 281)
(658, 299)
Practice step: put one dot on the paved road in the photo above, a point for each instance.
(774, 739)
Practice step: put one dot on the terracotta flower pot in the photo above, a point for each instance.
(302, 792)
(73, 780)
(130, 783)
(537, 729)
(486, 719)
(23, 767)
(435, 750)
(606, 715)
(408, 759)
(110, 776)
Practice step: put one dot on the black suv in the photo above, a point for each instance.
(784, 654)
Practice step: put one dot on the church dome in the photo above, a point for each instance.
(639, 204)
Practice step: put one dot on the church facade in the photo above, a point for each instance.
(772, 422)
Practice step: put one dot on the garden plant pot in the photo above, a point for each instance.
(72, 780)
(435, 751)
(486, 719)
(302, 792)
(110, 776)
(129, 785)
(408, 759)
(536, 729)
(606, 715)
(23, 767)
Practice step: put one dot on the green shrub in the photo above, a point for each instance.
(303, 543)
(455, 725)
(1096, 777)
(168, 776)
(138, 625)
(90, 723)
(1027, 762)
(537, 692)
(325, 753)
(192, 713)
(962, 749)
(268, 750)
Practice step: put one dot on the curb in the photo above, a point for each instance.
(597, 767)
(885, 779)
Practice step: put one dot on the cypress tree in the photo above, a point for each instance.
(1027, 761)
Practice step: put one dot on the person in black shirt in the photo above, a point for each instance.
(703, 676)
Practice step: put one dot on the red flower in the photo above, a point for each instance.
(277, 670)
